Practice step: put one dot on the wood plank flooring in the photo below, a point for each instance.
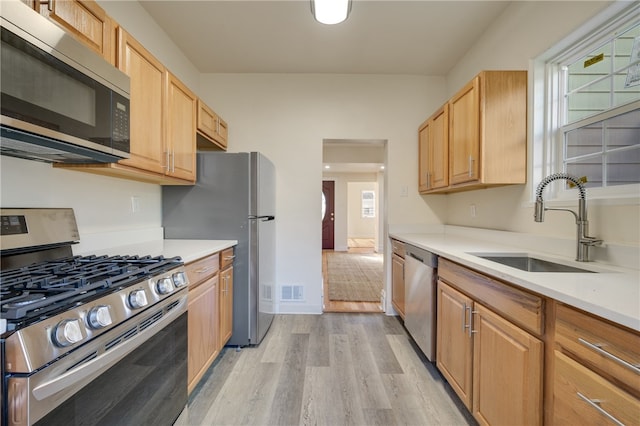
(330, 369)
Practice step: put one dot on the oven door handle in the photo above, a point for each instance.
(84, 373)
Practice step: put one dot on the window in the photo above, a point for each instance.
(368, 204)
(592, 107)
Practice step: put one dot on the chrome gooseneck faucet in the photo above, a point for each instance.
(583, 241)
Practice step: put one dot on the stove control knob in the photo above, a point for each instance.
(179, 279)
(164, 286)
(138, 299)
(67, 332)
(99, 317)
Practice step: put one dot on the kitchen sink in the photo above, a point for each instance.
(531, 264)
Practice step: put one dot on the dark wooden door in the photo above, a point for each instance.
(328, 191)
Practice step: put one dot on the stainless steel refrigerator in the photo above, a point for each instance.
(233, 199)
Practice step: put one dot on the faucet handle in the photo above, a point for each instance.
(591, 241)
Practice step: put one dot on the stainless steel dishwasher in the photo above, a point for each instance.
(420, 298)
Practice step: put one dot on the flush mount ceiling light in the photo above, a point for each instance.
(330, 11)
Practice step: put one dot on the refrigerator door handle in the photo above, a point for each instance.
(263, 218)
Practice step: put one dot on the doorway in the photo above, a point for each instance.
(354, 211)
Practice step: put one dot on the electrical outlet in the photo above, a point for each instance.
(135, 204)
(404, 191)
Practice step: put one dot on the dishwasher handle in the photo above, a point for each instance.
(423, 256)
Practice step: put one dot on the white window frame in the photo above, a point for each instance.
(546, 148)
(363, 210)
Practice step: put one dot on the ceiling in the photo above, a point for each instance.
(419, 37)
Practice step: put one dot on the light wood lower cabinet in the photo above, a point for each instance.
(226, 305)
(494, 365)
(203, 316)
(203, 346)
(596, 376)
(225, 302)
(397, 276)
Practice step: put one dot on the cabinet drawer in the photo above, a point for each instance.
(226, 257)
(583, 397)
(520, 307)
(613, 350)
(201, 269)
(398, 248)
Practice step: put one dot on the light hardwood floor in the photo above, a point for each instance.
(331, 369)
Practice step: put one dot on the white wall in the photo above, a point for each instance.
(287, 117)
(524, 31)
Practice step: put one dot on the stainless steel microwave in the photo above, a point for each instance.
(61, 101)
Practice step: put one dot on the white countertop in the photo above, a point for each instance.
(612, 293)
(188, 250)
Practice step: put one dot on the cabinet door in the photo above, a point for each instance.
(202, 318)
(507, 371)
(226, 306)
(397, 284)
(439, 148)
(147, 104)
(454, 343)
(464, 133)
(424, 163)
(85, 20)
(181, 129)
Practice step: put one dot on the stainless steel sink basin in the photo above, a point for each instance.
(530, 264)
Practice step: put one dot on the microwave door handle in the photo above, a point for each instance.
(95, 367)
(264, 218)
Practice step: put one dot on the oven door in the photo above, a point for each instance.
(134, 374)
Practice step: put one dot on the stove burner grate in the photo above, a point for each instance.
(34, 292)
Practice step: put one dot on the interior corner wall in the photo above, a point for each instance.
(287, 116)
(512, 42)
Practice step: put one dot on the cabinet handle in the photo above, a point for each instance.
(173, 161)
(470, 166)
(464, 317)
(167, 162)
(230, 257)
(471, 330)
(206, 269)
(595, 403)
(598, 348)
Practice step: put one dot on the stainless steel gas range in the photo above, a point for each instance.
(87, 339)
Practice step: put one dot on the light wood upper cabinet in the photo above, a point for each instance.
(433, 151)
(480, 138)
(494, 365)
(148, 80)
(464, 124)
(180, 141)
(162, 122)
(87, 21)
(212, 128)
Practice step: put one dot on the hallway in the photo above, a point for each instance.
(355, 246)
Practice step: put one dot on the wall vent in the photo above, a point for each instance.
(292, 292)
